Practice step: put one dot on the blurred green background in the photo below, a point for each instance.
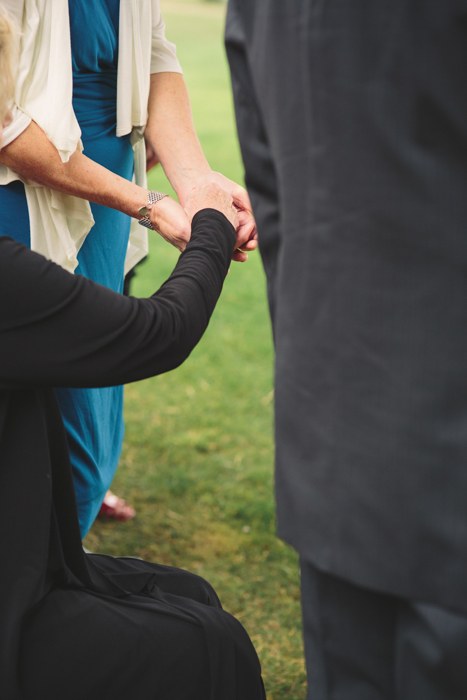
(198, 457)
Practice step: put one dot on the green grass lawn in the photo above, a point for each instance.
(198, 457)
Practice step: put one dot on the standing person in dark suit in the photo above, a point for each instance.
(353, 129)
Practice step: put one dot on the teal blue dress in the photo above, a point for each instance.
(93, 417)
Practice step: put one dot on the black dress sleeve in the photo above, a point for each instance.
(58, 329)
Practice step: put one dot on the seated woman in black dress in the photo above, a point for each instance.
(90, 627)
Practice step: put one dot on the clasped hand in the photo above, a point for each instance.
(173, 221)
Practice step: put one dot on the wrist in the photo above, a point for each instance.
(144, 212)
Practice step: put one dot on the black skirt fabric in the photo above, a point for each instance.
(165, 637)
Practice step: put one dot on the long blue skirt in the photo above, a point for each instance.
(93, 418)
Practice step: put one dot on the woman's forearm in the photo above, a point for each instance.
(33, 156)
(171, 132)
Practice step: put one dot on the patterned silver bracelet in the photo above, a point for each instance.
(153, 198)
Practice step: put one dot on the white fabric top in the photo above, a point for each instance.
(59, 222)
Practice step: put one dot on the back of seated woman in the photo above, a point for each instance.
(91, 627)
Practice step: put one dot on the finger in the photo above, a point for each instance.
(246, 246)
(247, 223)
(250, 245)
(243, 238)
(241, 198)
(239, 256)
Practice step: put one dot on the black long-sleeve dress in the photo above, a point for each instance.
(87, 626)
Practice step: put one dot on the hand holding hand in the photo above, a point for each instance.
(238, 197)
(247, 237)
(210, 196)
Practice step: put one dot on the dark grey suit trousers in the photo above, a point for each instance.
(364, 645)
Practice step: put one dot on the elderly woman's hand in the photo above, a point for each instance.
(247, 238)
(209, 195)
(170, 220)
(242, 202)
(237, 196)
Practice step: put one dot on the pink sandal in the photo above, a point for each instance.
(115, 508)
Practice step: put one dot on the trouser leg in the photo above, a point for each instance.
(431, 653)
(348, 636)
(365, 645)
